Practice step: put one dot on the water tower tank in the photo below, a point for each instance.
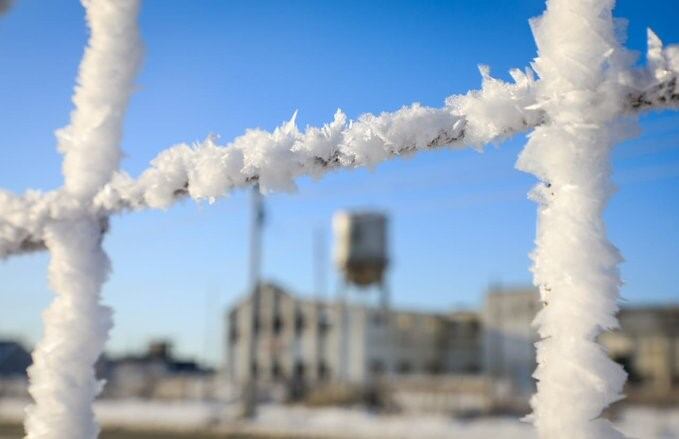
(361, 246)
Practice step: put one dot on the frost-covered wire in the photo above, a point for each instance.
(91, 141)
(275, 159)
(207, 170)
(656, 87)
(575, 266)
(62, 377)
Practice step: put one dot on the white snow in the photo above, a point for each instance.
(638, 422)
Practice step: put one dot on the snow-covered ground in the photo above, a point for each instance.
(641, 423)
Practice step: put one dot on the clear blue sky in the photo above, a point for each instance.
(460, 220)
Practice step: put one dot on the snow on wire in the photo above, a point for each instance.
(585, 100)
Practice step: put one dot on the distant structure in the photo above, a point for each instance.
(509, 337)
(361, 246)
(249, 390)
(301, 342)
(361, 257)
(14, 359)
(647, 345)
(431, 357)
(155, 374)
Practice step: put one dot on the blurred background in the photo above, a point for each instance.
(390, 300)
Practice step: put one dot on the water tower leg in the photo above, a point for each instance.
(384, 297)
(342, 299)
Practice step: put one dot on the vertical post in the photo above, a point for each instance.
(319, 263)
(250, 391)
(63, 383)
(575, 265)
(384, 298)
(210, 305)
(319, 288)
(343, 301)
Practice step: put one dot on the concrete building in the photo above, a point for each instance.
(509, 338)
(156, 374)
(483, 361)
(647, 345)
(307, 341)
(14, 359)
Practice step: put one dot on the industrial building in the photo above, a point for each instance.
(275, 337)
(647, 345)
(311, 341)
(509, 338)
(14, 358)
(303, 342)
(155, 374)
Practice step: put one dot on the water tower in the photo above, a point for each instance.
(361, 249)
(361, 257)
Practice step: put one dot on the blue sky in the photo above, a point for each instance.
(459, 219)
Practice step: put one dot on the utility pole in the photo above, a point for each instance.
(319, 255)
(319, 265)
(257, 225)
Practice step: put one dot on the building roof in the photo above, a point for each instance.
(650, 320)
(14, 358)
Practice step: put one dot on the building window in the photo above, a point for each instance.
(233, 333)
(626, 361)
(378, 318)
(233, 326)
(299, 370)
(256, 325)
(435, 367)
(323, 324)
(472, 368)
(299, 323)
(404, 367)
(276, 371)
(377, 367)
(323, 372)
(277, 324)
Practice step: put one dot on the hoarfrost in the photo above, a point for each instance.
(584, 101)
(62, 380)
